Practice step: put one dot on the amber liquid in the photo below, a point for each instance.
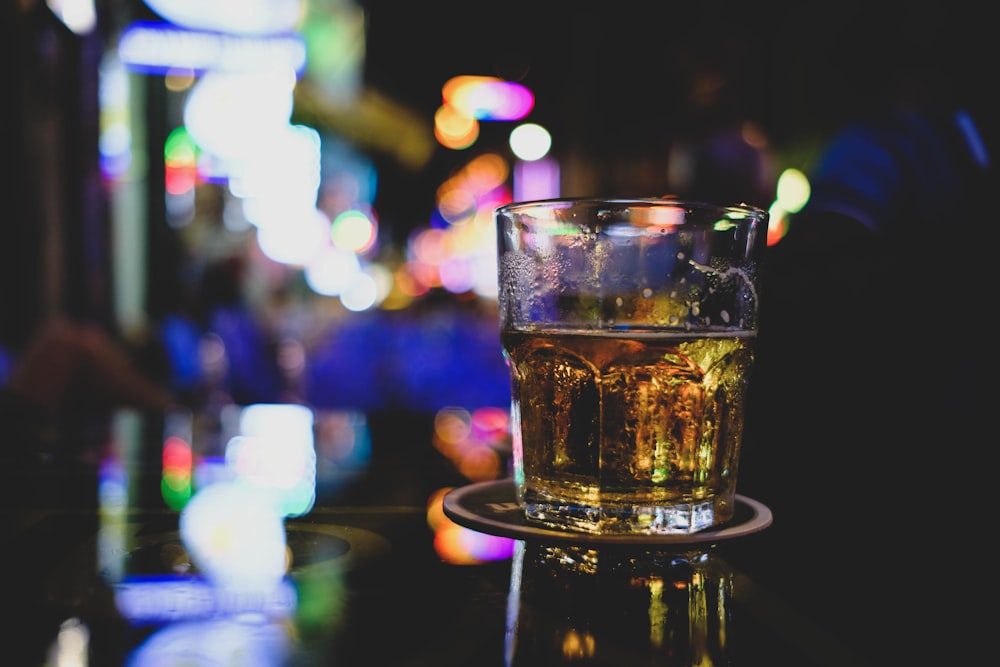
(628, 431)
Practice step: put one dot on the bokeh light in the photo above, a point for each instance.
(530, 141)
(301, 236)
(274, 453)
(487, 98)
(362, 293)
(353, 230)
(331, 270)
(178, 472)
(454, 129)
(235, 537)
(80, 16)
(793, 190)
(229, 114)
(249, 17)
(459, 545)
(181, 157)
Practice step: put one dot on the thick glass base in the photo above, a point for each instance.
(679, 518)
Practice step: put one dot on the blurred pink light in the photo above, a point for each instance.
(538, 179)
(504, 101)
(488, 98)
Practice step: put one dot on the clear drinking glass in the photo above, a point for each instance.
(628, 326)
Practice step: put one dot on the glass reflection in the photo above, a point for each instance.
(615, 606)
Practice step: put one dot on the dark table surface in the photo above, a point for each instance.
(377, 575)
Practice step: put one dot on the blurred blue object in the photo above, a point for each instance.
(420, 361)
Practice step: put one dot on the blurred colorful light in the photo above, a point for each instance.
(488, 98)
(353, 230)
(454, 129)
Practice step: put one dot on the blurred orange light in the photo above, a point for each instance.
(456, 204)
(454, 130)
(424, 275)
(452, 424)
(479, 464)
(486, 172)
(435, 508)
(777, 227)
(407, 283)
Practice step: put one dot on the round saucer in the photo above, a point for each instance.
(491, 507)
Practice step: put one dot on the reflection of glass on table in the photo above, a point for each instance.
(576, 604)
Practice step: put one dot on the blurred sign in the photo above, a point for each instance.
(157, 48)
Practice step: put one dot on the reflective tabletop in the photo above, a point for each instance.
(107, 565)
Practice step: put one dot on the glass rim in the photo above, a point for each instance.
(742, 208)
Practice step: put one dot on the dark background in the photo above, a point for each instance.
(618, 85)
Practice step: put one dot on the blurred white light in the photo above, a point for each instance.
(275, 454)
(296, 238)
(235, 536)
(361, 294)
(331, 271)
(243, 17)
(160, 48)
(285, 163)
(530, 141)
(72, 645)
(80, 16)
(230, 115)
(293, 421)
(485, 273)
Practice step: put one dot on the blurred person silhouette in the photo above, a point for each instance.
(69, 376)
(251, 373)
(889, 253)
(868, 404)
(216, 347)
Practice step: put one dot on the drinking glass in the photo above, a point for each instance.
(628, 326)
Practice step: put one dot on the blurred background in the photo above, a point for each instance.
(290, 201)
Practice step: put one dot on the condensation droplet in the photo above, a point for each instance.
(725, 316)
(647, 293)
(619, 302)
